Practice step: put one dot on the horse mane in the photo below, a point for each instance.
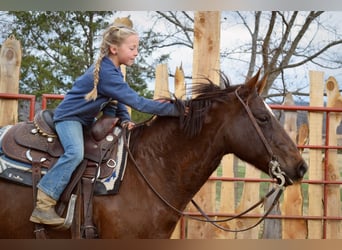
(205, 93)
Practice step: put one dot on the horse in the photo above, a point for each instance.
(175, 156)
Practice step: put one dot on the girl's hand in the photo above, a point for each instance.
(162, 100)
(128, 124)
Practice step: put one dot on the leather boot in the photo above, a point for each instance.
(44, 212)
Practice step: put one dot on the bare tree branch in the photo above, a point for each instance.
(313, 56)
(254, 35)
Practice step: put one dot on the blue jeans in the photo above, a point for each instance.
(57, 178)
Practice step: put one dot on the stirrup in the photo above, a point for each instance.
(70, 214)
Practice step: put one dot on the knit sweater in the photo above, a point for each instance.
(111, 86)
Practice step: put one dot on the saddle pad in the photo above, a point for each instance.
(15, 171)
(3, 131)
(111, 184)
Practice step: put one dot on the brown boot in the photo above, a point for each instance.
(44, 211)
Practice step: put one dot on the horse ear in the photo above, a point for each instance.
(261, 84)
(252, 83)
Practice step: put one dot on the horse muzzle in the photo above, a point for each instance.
(284, 179)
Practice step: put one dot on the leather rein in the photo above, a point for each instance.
(274, 171)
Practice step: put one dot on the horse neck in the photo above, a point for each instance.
(177, 164)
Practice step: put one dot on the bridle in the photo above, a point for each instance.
(274, 171)
(274, 165)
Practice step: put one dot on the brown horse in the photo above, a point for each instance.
(176, 156)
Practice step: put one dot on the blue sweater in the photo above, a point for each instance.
(111, 87)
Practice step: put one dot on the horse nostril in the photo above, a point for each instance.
(302, 169)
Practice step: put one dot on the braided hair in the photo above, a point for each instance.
(115, 34)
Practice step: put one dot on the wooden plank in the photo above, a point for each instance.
(303, 136)
(206, 45)
(293, 199)
(315, 155)
(180, 83)
(161, 88)
(272, 227)
(250, 195)
(126, 21)
(206, 57)
(179, 93)
(333, 229)
(10, 61)
(227, 198)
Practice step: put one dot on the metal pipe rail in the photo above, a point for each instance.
(31, 98)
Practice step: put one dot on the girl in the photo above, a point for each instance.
(92, 93)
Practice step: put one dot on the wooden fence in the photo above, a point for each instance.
(310, 210)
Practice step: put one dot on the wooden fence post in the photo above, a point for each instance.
(10, 61)
(315, 155)
(179, 93)
(249, 196)
(179, 83)
(227, 198)
(333, 172)
(206, 46)
(293, 199)
(161, 88)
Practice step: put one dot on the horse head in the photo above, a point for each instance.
(260, 139)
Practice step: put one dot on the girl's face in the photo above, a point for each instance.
(126, 52)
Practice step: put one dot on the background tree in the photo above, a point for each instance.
(59, 46)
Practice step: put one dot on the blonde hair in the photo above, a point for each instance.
(115, 34)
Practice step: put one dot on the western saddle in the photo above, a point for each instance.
(36, 142)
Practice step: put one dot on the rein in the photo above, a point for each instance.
(274, 171)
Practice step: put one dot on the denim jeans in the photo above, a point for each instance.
(57, 178)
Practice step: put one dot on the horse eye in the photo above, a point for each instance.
(263, 119)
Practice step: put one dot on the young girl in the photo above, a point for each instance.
(92, 93)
